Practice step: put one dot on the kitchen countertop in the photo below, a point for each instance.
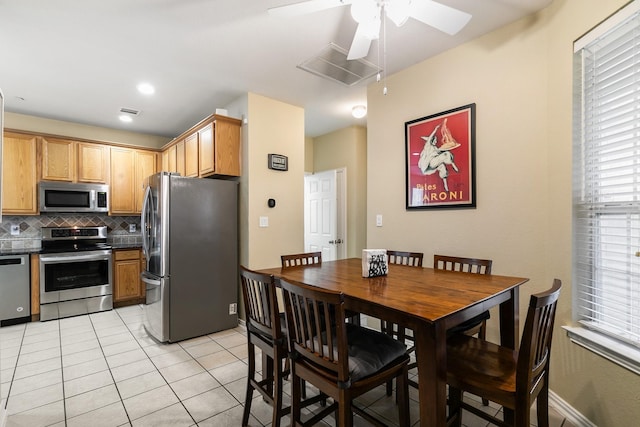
(20, 251)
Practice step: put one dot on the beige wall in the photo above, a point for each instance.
(308, 154)
(520, 79)
(347, 148)
(75, 130)
(272, 127)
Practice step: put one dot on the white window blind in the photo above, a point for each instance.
(607, 182)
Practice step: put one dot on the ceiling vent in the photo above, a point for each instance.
(130, 111)
(332, 64)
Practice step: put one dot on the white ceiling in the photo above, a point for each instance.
(80, 60)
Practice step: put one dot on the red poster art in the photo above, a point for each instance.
(440, 160)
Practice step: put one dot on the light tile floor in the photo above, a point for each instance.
(103, 370)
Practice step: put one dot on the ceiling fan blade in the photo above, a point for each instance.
(360, 44)
(439, 16)
(305, 7)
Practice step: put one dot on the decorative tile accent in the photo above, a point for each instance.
(30, 234)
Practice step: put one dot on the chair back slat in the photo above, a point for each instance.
(261, 304)
(466, 265)
(297, 260)
(316, 324)
(535, 349)
(413, 259)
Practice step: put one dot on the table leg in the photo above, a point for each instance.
(431, 357)
(510, 320)
(510, 332)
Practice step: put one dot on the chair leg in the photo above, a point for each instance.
(542, 404)
(249, 395)
(277, 394)
(387, 328)
(402, 397)
(296, 398)
(345, 415)
(267, 369)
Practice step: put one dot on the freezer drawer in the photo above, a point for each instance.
(15, 305)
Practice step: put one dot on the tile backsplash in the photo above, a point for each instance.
(30, 234)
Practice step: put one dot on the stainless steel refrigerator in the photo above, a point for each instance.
(190, 243)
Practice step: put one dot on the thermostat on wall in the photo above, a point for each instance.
(278, 162)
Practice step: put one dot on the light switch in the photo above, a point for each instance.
(264, 221)
(378, 220)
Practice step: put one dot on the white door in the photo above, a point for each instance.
(320, 214)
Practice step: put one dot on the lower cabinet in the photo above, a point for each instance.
(128, 289)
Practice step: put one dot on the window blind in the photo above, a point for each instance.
(607, 182)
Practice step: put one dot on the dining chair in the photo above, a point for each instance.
(412, 259)
(266, 330)
(296, 260)
(477, 324)
(341, 359)
(511, 378)
(312, 258)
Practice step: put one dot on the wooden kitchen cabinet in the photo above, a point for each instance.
(219, 147)
(145, 165)
(191, 155)
(58, 159)
(127, 286)
(211, 147)
(93, 163)
(74, 161)
(19, 174)
(129, 168)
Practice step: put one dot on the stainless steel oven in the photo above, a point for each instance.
(75, 272)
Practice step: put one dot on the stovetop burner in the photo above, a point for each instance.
(74, 239)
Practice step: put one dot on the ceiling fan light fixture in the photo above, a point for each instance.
(398, 11)
(365, 11)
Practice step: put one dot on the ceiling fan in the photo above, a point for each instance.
(369, 13)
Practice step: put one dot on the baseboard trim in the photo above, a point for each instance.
(568, 411)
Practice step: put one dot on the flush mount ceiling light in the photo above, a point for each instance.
(359, 111)
(146, 89)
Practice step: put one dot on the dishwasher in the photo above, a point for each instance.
(14, 289)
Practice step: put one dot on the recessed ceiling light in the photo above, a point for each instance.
(146, 89)
(125, 118)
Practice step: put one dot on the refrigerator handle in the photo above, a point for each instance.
(149, 280)
(143, 222)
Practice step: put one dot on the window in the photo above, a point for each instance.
(606, 169)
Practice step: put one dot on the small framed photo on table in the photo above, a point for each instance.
(440, 160)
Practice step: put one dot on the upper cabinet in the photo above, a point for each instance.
(212, 147)
(19, 174)
(58, 159)
(129, 168)
(74, 161)
(93, 163)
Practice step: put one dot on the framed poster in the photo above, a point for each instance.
(440, 160)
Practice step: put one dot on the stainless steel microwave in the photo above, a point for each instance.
(72, 197)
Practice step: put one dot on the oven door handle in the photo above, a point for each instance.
(74, 257)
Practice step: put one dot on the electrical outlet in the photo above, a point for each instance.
(378, 220)
(15, 229)
(264, 221)
(233, 308)
(132, 228)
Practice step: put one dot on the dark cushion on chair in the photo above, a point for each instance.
(468, 324)
(370, 350)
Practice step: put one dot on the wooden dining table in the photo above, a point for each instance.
(426, 300)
